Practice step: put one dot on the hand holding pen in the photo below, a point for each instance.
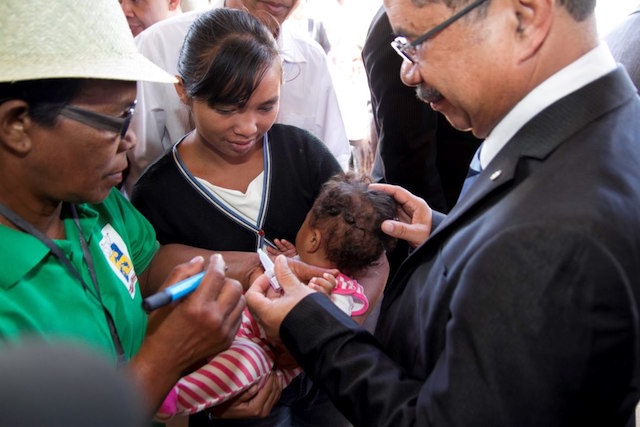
(201, 325)
(183, 287)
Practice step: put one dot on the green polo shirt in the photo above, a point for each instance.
(39, 296)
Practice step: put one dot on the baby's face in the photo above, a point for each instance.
(304, 233)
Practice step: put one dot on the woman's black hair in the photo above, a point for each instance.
(45, 97)
(224, 56)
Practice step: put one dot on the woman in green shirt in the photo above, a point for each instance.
(76, 257)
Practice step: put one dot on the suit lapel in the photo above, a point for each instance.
(536, 140)
(544, 134)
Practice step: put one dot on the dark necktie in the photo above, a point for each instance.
(474, 170)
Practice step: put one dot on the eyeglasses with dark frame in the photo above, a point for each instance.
(118, 125)
(409, 51)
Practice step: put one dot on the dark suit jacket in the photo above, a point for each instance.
(417, 147)
(521, 309)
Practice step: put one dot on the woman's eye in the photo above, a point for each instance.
(225, 111)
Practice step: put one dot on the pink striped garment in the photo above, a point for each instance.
(248, 361)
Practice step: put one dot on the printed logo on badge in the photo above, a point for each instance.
(116, 252)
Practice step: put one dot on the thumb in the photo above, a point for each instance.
(285, 276)
(393, 228)
(414, 234)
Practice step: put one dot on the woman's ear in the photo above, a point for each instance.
(182, 93)
(15, 123)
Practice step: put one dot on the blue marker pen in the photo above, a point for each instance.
(172, 293)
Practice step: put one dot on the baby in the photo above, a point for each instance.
(341, 231)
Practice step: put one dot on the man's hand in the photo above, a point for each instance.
(414, 216)
(270, 307)
(305, 272)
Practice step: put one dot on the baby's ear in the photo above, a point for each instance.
(313, 241)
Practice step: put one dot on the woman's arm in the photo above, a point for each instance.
(241, 266)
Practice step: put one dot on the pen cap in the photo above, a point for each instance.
(155, 301)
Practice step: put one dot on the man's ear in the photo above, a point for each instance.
(182, 93)
(15, 123)
(534, 19)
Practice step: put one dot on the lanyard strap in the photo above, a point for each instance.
(55, 249)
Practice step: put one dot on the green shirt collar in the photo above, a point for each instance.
(16, 265)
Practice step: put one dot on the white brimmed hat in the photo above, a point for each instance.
(43, 39)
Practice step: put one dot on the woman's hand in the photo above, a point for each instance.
(190, 330)
(253, 403)
(414, 216)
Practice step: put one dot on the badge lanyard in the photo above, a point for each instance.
(55, 249)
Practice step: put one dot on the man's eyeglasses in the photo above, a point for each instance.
(408, 50)
(118, 125)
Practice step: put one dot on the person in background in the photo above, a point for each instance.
(624, 42)
(238, 180)
(521, 306)
(308, 98)
(318, 32)
(301, 20)
(77, 258)
(189, 5)
(142, 14)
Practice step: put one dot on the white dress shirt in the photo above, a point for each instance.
(574, 76)
(307, 98)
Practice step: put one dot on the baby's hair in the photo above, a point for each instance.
(349, 215)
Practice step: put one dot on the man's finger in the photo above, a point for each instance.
(285, 276)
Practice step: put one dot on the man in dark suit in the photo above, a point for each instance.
(417, 147)
(624, 42)
(521, 308)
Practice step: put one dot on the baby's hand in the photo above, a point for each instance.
(284, 247)
(324, 284)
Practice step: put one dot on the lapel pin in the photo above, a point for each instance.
(495, 175)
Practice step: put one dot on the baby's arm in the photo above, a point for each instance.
(345, 292)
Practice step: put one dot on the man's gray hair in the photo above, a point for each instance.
(579, 9)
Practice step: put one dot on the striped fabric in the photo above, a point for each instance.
(248, 361)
